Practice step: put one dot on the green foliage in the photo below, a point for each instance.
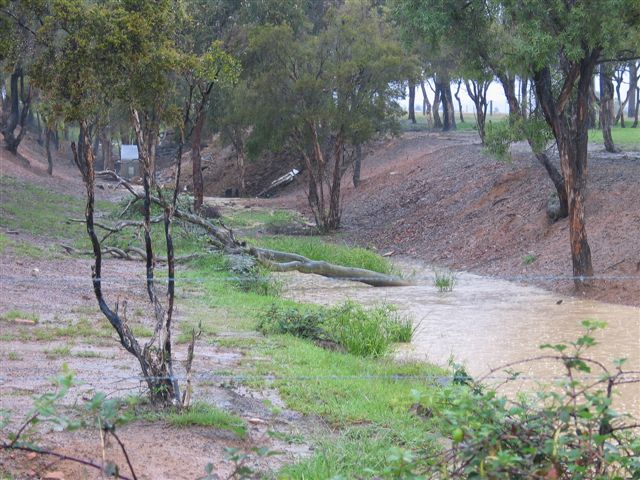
(359, 331)
(19, 314)
(500, 136)
(529, 259)
(207, 416)
(569, 432)
(315, 248)
(444, 280)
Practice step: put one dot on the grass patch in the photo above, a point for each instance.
(252, 218)
(316, 249)
(47, 211)
(83, 328)
(14, 356)
(529, 259)
(627, 138)
(87, 354)
(444, 280)
(359, 331)
(12, 315)
(58, 352)
(369, 399)
(208, 416)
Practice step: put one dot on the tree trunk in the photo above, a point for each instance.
(242, 168)
(449, 113)
(357, 165)
(17, 118)
(107, 149)
(593, 102)
(509, 86)
(633, 85)
(196, 159)
(457, 95)
(47, 146)
(426, 106)
(606, 106)
(477, 91)
(437, 122)
(412, 101)
(569, 120)
(335, 211)
(524, 82)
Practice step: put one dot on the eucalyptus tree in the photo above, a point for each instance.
(96, 52)
(558, 45)
(561, 44)
(18, 46)
(323, 94)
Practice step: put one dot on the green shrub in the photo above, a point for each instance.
(360, 331)
(567, 432)
(294, 321)
(444, 280)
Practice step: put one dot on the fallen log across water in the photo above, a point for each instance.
(223, 239)
(288, 262)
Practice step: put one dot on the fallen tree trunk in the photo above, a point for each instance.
(288, 262)
(223, 239)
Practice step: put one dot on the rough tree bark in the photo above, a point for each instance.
(448, 112)
(412, 101)
(477, 91)
(426, 106)
(457, 95)
(633, 89)
(508, 83)
(437, 121)
(569, 120)
(17, 116)
(357, 166)
(606, 107)
(47, 146)
(196, 160)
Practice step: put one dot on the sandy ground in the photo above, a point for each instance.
(59, 291)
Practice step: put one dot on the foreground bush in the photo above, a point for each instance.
(359, 331)
(568, 432)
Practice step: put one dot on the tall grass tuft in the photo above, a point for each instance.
(359, 331)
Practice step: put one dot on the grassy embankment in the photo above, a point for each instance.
(365, 400)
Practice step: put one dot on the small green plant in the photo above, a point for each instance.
(444, 280)
(208, 416)
(58, 352)
(529, 259)
(87, 354)
(14, 356)
(12, 315)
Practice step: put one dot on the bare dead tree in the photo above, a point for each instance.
(155, 356)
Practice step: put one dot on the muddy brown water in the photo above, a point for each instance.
(485, 323)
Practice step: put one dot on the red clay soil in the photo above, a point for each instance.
(441, 199)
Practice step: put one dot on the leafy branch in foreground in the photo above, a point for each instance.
(98, 412)
(569, 432)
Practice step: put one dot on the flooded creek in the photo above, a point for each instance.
(485, 323)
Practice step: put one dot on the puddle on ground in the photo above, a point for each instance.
(486, 323)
